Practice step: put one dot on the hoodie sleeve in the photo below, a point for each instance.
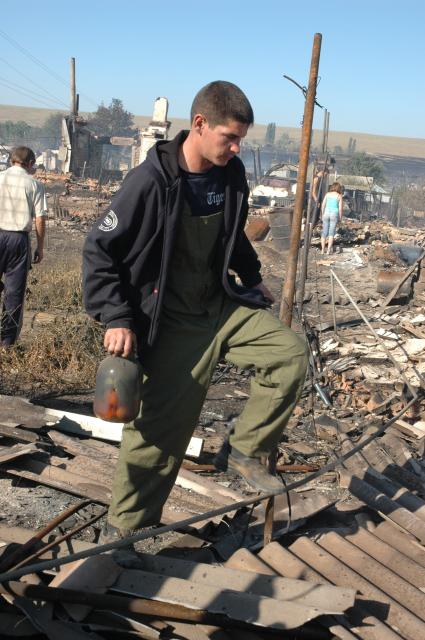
(106, 246)
(244, 258)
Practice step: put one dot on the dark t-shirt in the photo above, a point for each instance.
(204, 191)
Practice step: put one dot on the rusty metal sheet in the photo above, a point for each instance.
(386, 280)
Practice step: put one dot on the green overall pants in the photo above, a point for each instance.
(200, 325)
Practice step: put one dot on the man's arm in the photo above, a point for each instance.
(40, 231)
(105, 249)
(341, 205)
(40, 213)
(323, 206)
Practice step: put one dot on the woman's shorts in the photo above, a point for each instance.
(329, 225)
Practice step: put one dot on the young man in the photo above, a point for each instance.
(22, 198)
(156, 273)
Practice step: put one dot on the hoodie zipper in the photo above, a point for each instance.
(160, 285)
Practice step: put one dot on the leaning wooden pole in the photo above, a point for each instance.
(287, 301)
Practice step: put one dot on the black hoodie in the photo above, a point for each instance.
(127, 254)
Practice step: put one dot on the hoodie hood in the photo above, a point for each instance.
(164, 156)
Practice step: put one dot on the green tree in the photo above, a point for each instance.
(270, 133)
(113, 120)
(361, 164)
(15, 133)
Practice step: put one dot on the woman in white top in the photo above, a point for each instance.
(331, 214)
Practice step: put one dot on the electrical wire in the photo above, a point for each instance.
(39, 86)
(41, 64)
(27, 95)
(31, 94)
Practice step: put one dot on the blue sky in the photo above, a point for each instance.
(371, 65)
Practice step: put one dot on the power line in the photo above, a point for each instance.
(26, 94)
(41, 64)
(30, 92)
(34, 83)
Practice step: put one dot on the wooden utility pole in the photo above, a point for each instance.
(325, 132)
(73, 91)
(287, 300)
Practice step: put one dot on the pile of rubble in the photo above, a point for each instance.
(346, 556)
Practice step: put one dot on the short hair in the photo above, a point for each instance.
(220, 101)
(22, 155)
(336, 186)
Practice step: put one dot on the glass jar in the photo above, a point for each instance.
(118, 389)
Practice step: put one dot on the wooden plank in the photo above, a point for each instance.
(15, 411)
(415, 430)
(205, 486)
(86, 467)
(84, 446)
(17, 451)
(16, 433)
(90, 426)
(43, 473)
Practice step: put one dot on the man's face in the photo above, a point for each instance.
(221, 143)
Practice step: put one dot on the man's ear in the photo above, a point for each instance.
(199, 122)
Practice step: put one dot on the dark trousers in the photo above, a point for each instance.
(15, 261)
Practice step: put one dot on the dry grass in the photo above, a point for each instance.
(61, 352)
(58, 287)
(62, 357)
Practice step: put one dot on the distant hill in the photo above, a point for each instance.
(391, 145)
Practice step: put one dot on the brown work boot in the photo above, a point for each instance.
(110, 533)
(252, 471)
(125, 556)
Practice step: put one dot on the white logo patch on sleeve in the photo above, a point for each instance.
(109, 222)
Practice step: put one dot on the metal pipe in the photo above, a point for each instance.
(333, 303)
(21, 552)
(124, 542)
(153, 608)
(287, 300)
(304, 265)
(377, 336)
(60, 539)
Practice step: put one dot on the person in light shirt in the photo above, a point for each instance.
(22, 201)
